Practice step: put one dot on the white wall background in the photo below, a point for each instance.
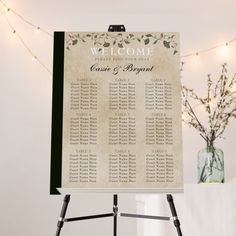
(25, 105)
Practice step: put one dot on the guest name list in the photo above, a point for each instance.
(122, 112)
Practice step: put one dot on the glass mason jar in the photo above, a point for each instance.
(210, 165)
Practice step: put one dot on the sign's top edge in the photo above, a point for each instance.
(126, 32)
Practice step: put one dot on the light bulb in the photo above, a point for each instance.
(197, 56)
(34, 58)
(37, 29)
(224, 50)
(227, 46)
(8, 11)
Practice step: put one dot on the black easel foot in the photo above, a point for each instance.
(60, 222)
(174, 214)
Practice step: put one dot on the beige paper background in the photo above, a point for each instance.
(78, 60)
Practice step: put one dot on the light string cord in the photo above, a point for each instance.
(24, 44)
(8, 9)
(209, 49)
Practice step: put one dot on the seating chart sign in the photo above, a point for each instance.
(116, 117)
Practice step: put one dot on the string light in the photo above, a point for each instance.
(225, 50)
(8, 9)
(225, 45)
(37, 29)
(14, 32)
(34, 58)
(197, 56)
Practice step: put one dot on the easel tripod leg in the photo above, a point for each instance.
(174, 214)
(60, 222)
(115, 212)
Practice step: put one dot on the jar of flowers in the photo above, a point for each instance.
(219, 106)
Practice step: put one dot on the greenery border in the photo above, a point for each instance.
(122, 39)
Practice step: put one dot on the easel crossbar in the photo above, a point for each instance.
(119, 214)
(146, 216)
(88, 217)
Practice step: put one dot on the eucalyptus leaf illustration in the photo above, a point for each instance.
(106, 44)
(120, 45)
(166, 44)
(74, 42)
(146, 41)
